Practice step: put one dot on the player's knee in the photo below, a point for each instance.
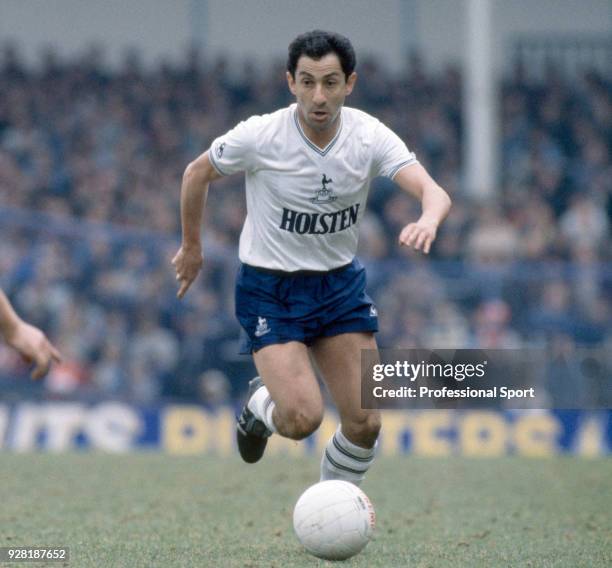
(303, 420)
(363, 431)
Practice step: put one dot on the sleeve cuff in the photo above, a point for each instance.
(397, 168)
(213, 161)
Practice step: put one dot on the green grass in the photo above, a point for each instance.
(155, 510)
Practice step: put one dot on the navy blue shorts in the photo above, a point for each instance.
(278, 308)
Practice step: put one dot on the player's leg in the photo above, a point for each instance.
(350, 451)
(285, 398)
(293, 388)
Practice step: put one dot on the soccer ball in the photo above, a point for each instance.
(334, 519)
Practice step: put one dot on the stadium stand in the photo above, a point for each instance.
(90, 167)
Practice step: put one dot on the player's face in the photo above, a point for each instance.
(320, 88)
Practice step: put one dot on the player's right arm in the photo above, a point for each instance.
(194, 189)
(26, 339)
(228, 154)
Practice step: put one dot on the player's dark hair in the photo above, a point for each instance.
(317, 44)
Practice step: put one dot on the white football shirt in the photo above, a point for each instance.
(304, 203)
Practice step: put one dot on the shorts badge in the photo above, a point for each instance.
(262, 327)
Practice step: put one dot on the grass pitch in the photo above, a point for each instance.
(150, 510)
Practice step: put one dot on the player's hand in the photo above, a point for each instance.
(34, 348)
(187, 262)
(419, 235)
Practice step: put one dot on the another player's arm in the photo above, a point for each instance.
(194, 189)
(435, 204)
(26, 339)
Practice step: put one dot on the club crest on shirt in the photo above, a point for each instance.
(324, 195)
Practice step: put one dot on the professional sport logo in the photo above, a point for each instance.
(324, 195)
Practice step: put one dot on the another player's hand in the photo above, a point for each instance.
(34, 348)
(187, 262)
(419, 235)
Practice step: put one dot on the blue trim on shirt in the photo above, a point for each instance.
(398, 168)
(318, 150)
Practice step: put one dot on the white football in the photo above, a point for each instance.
(334, 519)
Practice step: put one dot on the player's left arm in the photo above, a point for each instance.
(435, 203)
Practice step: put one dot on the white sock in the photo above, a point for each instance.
(262, 406)
(344, 460)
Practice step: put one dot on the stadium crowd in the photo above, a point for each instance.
(90, 168)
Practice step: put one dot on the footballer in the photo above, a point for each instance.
(301, 292)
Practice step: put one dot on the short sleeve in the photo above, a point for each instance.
(234, 151)
(390, 153)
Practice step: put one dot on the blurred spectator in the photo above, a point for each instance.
(492, 328)
(493, 238)
(214, 388)
(553, 313)
(585, 223)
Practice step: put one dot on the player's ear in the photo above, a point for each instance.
(350, 82)
(291, 83)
